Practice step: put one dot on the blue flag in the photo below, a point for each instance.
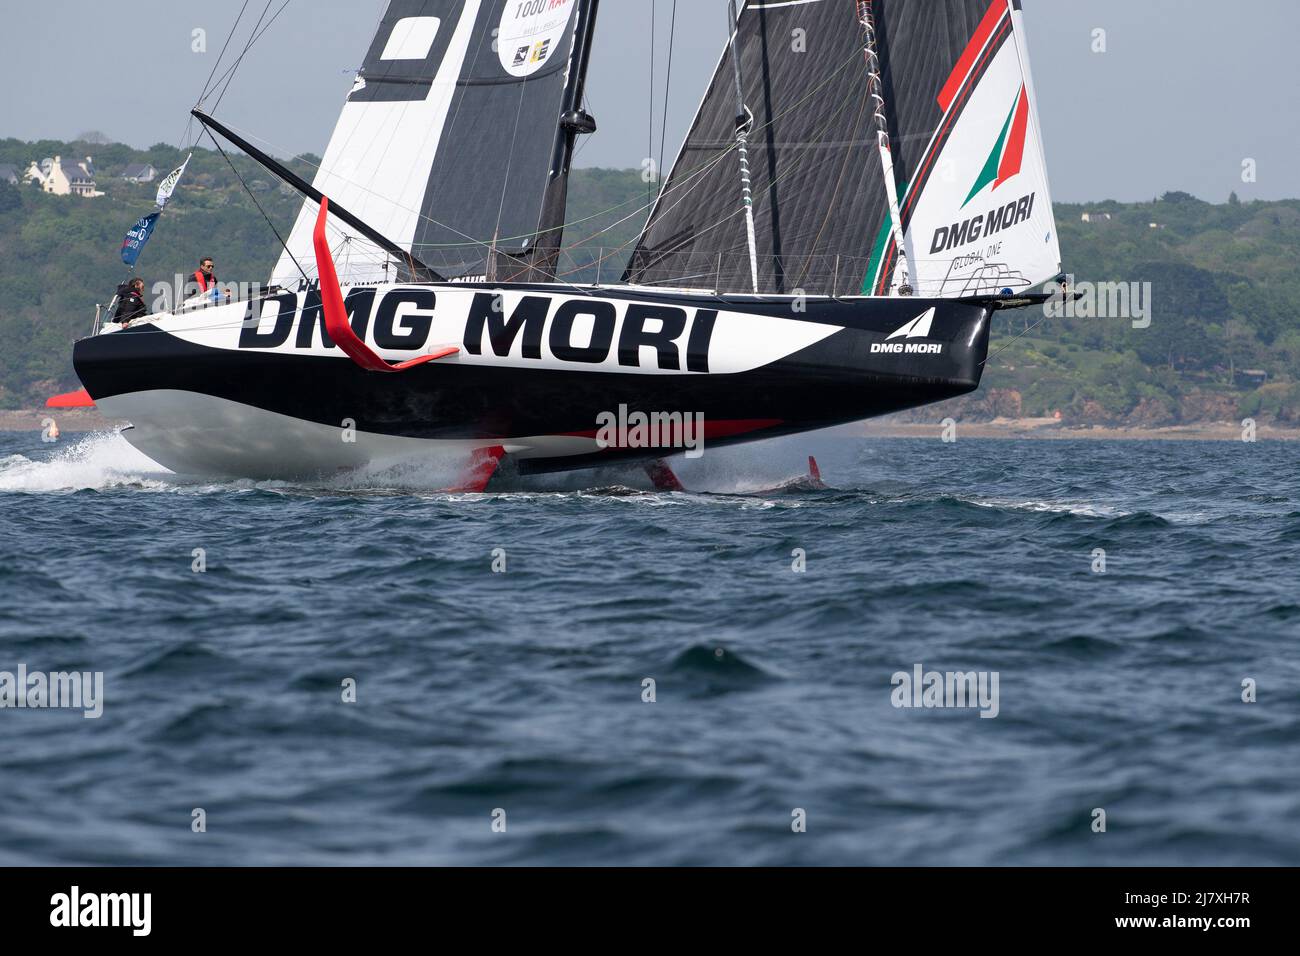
(137, 237)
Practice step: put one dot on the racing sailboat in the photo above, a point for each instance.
(862, 187)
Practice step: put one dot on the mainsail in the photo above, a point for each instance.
(964, 141)
(451, 139)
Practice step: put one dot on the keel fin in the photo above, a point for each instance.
(815, 473)
(483, 464)
(336, 317)
(662, 476)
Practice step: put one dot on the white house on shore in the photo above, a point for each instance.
(139, 173)
(71, 178)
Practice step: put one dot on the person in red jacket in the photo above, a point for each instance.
(205, 275)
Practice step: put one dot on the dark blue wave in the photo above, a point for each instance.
(526, 692)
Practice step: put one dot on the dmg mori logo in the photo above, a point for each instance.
(918, 328)
(580, 330)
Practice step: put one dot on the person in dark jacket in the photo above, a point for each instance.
(130, 302)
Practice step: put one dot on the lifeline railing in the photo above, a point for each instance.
(836, 276)
(719, 273)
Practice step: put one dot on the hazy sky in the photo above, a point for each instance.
(1186, 90)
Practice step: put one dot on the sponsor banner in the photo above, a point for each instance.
(530, 34)
(137, 236)
(168, 185)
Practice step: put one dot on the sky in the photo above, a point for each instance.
(1185, 93)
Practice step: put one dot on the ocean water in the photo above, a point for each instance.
(517, 697)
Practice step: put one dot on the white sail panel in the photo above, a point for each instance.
(983, 221)
(378, 159)
(445, 143)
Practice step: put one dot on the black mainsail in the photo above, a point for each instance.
(959, 103)
(455, 138)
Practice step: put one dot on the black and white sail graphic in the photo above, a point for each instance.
(446, 141)
(970, 177)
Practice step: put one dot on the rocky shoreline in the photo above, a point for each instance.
(1051, 429)
(69, 420)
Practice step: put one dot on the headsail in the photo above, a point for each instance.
(964, 143)
(447, 140)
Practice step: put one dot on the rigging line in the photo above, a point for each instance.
(459, 94)
(830, 206)
(698, 174)
(584, 140)
(256, 203)
(469, 240)
(668, 79)
(257, 36)
(681, 192)
(671, 188)
(650, 113)
(510, 161)
(793, 169)
(317, 166)
(611, 252)
(1016, 338)
(725, 150)
(876, 90)
(731, 216)
(399, 120)
(744, 120)
(229, 75)
(208, 82)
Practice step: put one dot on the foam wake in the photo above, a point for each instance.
(97, 461)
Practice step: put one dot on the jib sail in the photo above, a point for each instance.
(964, 140)
(449, 139)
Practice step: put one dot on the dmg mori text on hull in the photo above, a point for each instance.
(271, 396)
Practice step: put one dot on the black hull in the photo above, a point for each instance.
(835, 380)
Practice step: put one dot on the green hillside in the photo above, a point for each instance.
(1224, 334)
(1223, 340)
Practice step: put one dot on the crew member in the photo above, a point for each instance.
(205, 275)
(130, 302)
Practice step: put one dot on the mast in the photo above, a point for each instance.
(875, 87)
(574, 122)
(744, 122)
